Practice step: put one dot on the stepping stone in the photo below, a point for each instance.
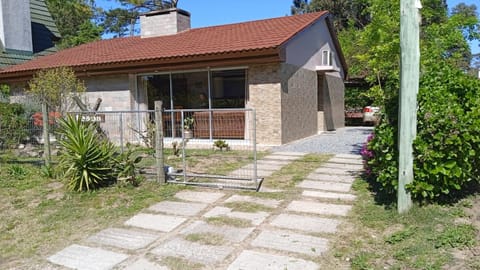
(261, 173)
(143, 264)
(205, 254)
(306, 223)
(350, 167)
(329, 195)
(274, 162)
(346, 161)
(348, 156)
(295, 154)
(331, 178)
(319, 208)
(254, 218)
(87, 258)
(199, 196)
(123, 238)
(161, 223)
(264, 167)
(279, 157)
(232, 234)
(292, 242)
(263, 261)
(178, 208)
(324, 185)
(265, 202)
(323, 170)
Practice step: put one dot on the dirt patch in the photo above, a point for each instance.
(468, 258)
(55, 185)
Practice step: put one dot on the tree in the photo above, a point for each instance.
(346, 13)
(121, 21)
(75, 21)
(55, 87)
(299, 7)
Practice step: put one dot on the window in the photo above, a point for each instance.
(327, 58)
(157, 87)
(190, 90)
(228, 88)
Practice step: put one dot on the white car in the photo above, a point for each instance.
(370, 115)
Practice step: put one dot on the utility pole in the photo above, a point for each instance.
(409, 81)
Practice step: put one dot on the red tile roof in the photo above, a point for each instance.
(232, 38)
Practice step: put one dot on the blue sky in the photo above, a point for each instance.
(215, 12)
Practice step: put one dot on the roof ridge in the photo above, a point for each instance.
(260, 20)
(236, 38)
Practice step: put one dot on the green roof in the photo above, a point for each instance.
(10, 57)
(44, 33)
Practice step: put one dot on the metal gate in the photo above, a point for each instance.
(192, 139)
(224, 138)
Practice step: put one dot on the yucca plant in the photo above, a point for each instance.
(126, 165)
(86, 158)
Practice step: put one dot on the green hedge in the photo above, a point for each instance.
(13, 125)
(447, 146)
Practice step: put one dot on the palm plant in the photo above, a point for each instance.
(86, 159)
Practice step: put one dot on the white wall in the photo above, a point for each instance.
(15, 25)
(305, 50)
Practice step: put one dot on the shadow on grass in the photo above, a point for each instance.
(389, 199)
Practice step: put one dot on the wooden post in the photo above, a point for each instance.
(159, 142)
(409, 81)
(46, 135)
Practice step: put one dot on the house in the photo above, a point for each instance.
(27, 30)
(289, 69)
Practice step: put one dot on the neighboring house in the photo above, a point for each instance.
(27, 30)
(289, 69)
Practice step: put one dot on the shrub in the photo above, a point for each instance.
(447, 146)
(13, 124)
(86, 157)
(126, 164)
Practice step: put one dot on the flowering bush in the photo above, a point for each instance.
(367, 154)
(52, 118)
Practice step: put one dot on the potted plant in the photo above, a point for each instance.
(187, 127)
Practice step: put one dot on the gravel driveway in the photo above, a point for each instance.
(348, 140)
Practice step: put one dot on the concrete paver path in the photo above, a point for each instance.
(283, 234)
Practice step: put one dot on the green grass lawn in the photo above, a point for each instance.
(38, 216)
(427, 237)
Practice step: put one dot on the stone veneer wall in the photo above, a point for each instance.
(299, 103)
(113, 90)
(336, 99)
(264, 95)
(117, 94)
(164, 23)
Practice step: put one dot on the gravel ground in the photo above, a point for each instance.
(348, 140)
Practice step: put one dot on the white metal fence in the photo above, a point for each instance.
(223, 139)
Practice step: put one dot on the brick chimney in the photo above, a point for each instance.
(164, 22)
(16, 25)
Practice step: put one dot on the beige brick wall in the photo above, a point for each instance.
(299, 103)
(113, 90)
(264, 95)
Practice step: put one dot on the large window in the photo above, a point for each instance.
(228, 89)
(157, 87)
(190, 90)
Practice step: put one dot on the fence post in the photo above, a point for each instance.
(121, 132)
(159, 142)
(46, 135)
